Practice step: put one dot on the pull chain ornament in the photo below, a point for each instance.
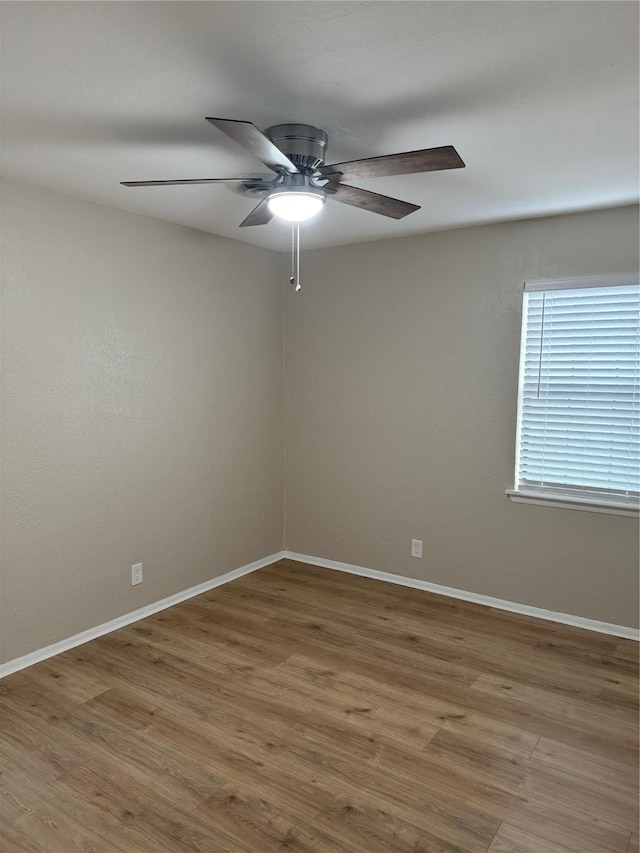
(295, 256)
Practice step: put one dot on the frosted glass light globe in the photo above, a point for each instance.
(295, 206)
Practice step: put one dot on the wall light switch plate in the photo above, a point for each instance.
(136, 574)
(416, 548)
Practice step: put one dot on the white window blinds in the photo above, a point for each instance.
(579, 401)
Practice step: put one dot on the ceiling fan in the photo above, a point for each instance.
(302, 182)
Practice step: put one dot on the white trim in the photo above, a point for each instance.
(142, 613)
(121, 621)
(553, 499)
(523, 348)
(476, 598)
(622, 280)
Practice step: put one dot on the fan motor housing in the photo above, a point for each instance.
(303, 144)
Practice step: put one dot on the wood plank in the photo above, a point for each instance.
(628, 650)
(579, 710)
(490, 793)
(150, 818)
(259, 825)
(49, 822)
(542, 786)
(544, 664)
(67, 678)
(510, 839)
(596, 765)
(366, 827)
(432, 711)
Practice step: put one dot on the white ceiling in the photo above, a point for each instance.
(539, 98)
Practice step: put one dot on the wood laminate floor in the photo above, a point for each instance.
(301, 709)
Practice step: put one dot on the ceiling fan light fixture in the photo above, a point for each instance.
(296, 205)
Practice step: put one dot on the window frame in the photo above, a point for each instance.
(571, 497)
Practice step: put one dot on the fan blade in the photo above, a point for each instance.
(427, 160)
(190, 181)
(247, 134)
(374, 202)
(260, 215)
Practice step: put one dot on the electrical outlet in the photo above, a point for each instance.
(136, 574)
(416, 548)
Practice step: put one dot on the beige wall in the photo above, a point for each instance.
(401, 382)
(142, 416)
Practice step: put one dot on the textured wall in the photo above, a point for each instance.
(401, 384)
(142, 416)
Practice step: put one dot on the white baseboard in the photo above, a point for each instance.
(498, 603)
(476, 598)
(121, 621)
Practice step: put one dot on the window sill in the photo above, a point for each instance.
(572, 502)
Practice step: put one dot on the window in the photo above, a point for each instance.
(578, 439)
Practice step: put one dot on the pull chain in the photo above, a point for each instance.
(298, 285)
(295, 255)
